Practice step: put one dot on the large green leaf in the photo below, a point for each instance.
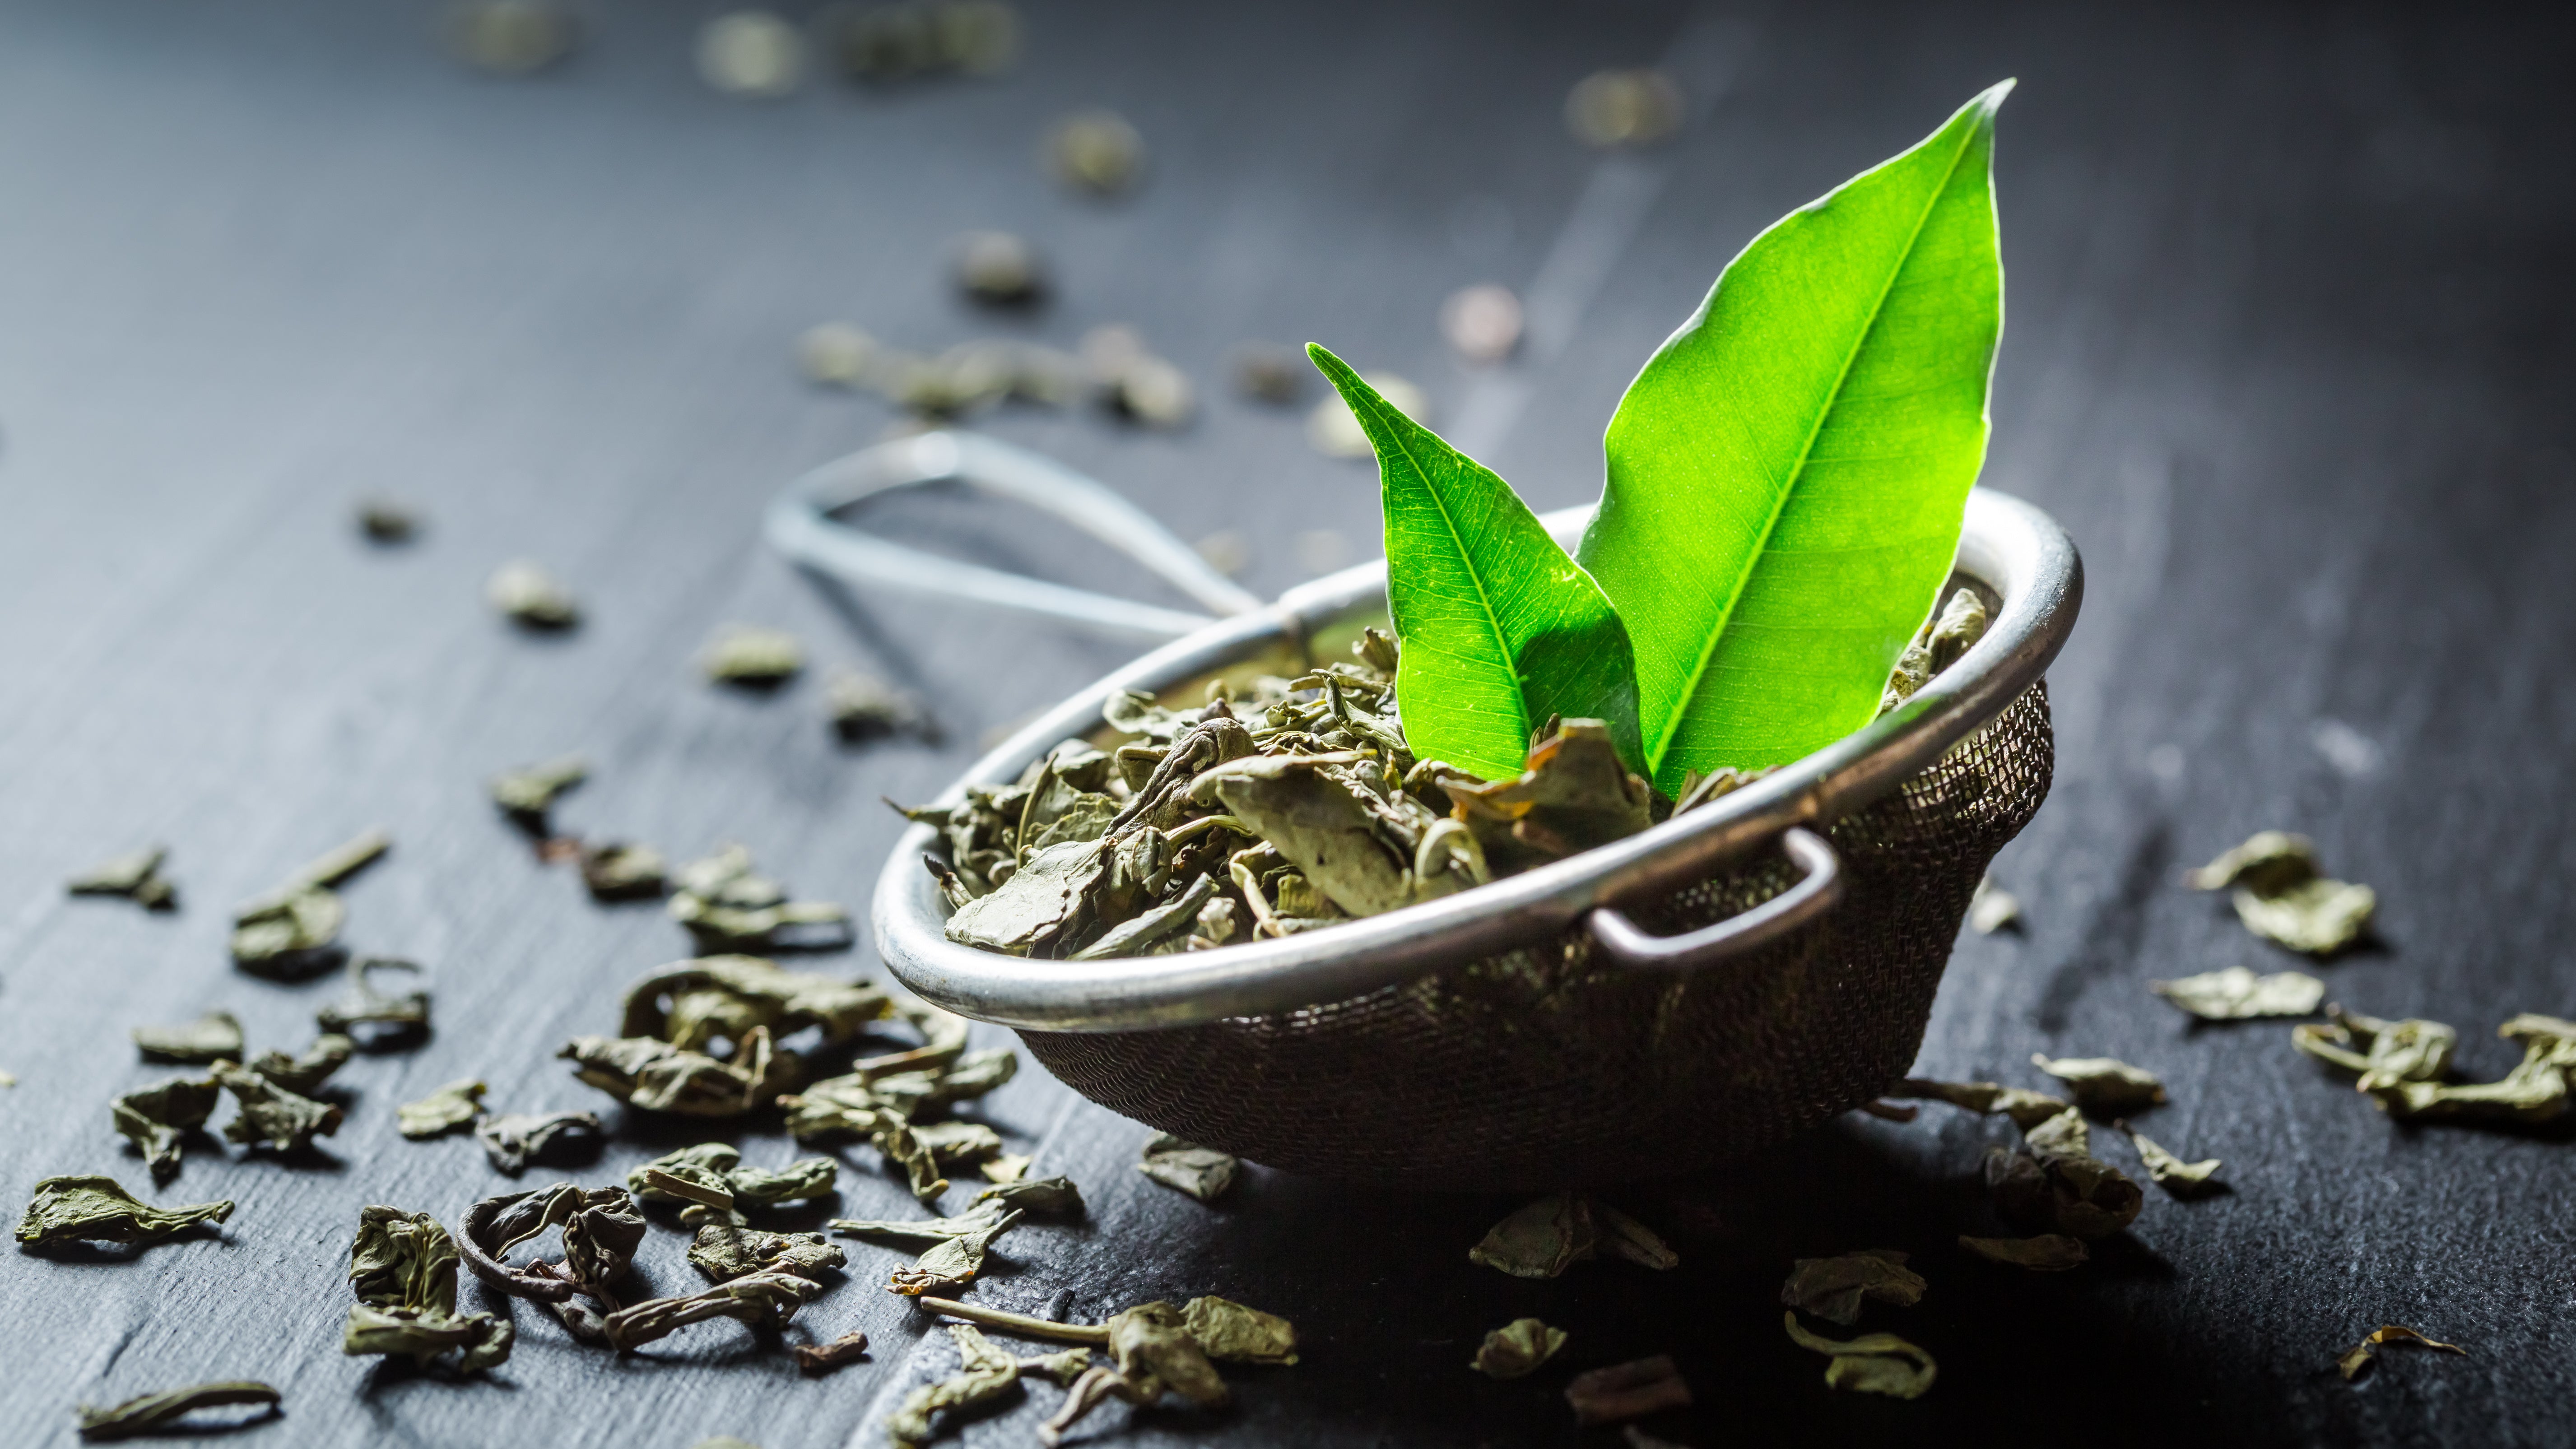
(1501, 630)
(1788, 473)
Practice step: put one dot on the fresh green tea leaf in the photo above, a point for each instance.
(1788, 473)
(1501, 630)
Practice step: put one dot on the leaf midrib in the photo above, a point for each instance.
(1762, 544)
(1484, 601)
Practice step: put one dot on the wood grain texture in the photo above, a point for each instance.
(2287, 349)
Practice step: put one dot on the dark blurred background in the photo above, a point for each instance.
(2287, 350)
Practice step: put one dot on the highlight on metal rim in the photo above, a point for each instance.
(1818, 891)
(802, 523)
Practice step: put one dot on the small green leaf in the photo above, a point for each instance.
(1501, 630)
(1788, 473)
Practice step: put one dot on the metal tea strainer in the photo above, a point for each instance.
(1664, 1004)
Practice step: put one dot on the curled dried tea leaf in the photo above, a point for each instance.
(2362, 1354)
(303, 1074)
(764, 1300)
(2236, 993)
(2073, 1194)
(2063, 1135)
(743, 654)
(135, 875)
(1552, 1234)
(1230, 1332)
(894, 1141)
(691, 1003)
(479, 1340)
(99, 1210)
(1060, 1368)
(660, 1077)
(726, 905)
(2280, 894)
(397, 1017)
(2413, 1050)
(1045, 1197)
(724, 1252)
(531, 597)
(984, 1373)
(527, 795)
(1630, 1390)
(619, 870)
(450, 1107)
(691, 1174)
(495, 1225)
(1832, 1288)
(157, 1413)
(212, 1037)
(2269, 860)
(287, 936)
(1202, 1172)
(156, 1119)
(958, 1144)
(1517, 1349)
(864, 707)
(1573, 794)
(822, 1358)
(2103, 1086)
(270, 1115)
(950, 1261)
(1008, 1167)
(1038, 903)
(1874, 1363)
(1993, 908)
(2536, 1090)
(516, 1139)
(387, 520)
(998, 268)
(2180, 1178)
(980, 1218)
(2027, 1109)
(402, 1266)
(2046, 1253)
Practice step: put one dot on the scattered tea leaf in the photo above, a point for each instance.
(864, 707)
(724, 1252)
(1153, 1353)
(397, 1017)
(601, 1231)
(984, 1373)
(136, 875)
(2364, 1353)
(2412, 1050)
(515, 1140)
(1229, 1332)
(727, 906)
(751, 53)
(287, 934)
(617, 870)
(764, 1300)
(212, 1037)
(998, 269)
(1874, 1363)
(1993, 908)
(100, 1210)
(1552, 1234)
(1202, 1172)
(2281, 895)
(950, 1261)
(2180, 1178)
(450, 1107)
(2081, 1196)
(2027, 1109)
(529, 794)
(157, 1119)
(821, 1358)
(156, 1413)
(1516, 1349)
(531, 597)
(749, 655)
(1060, 1368)
(660, 1077)
(1095, 151)
(387, 520)
(2046, 1253)
(1832, 1288)
(272, 1116)
(2536, 1090)
(2103, 1086)
(2268, 861)
(2236, 994)
(402, 1266)
(2063, 1135)
(1045, 1197)
(1629, 1390)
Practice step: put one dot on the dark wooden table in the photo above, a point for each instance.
(2288, 353)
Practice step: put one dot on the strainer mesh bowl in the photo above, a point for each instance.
(1550, 1066)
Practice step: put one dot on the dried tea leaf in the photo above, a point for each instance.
(2103, 1086)
(619, 870)
(2236, 993)
(2269, 860)
(957, 1144)
(398, 1017)
(1229, 1332)
(1874, 1363)
(864, 707)
(527, 795)
(1541, 1240)
(983, 1217)
(2318, 917)
(2084, 1197)
(1622, 1236)
(1045, 1197)
(743, 654)
(2180, 1178)
(601, 1231)
(1095, 151)
(724, 1252)
(806, 1177)
(1993, 908)
(511, 37)
(387, 520)
(998, 269)
(99, 1210)
(2026, 1109)
(894, 1141)
(1517, 1348)
(765, 1300)
(950, 1261)
(1202, 1172)
(445, 1110)
(2063, 1135)
(1007, 1168)
(156, 1119)
(285, 936)
(2412, 1050)
(984, 1373)
(660, 1077)
(2536, 1090)
(1060, 1368)
(402, 1265)
(820, 1358)
(1832, 1288)
(1035, 906)
(531, 597)
(691, 1003)
(726, 905)
(136, 875)
(516, 1139)
(1572, 794)
(284, 1121)
(2362, 1354)
(213, 1037)
(302, 1075)
(479, 1339)
(1629, 1390)
(2046, 1253)
(156, 1413)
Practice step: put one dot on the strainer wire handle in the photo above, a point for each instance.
(1818, 891)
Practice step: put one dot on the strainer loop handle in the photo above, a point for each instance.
(1818, 891)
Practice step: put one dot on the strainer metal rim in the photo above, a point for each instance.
(2011, 547)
